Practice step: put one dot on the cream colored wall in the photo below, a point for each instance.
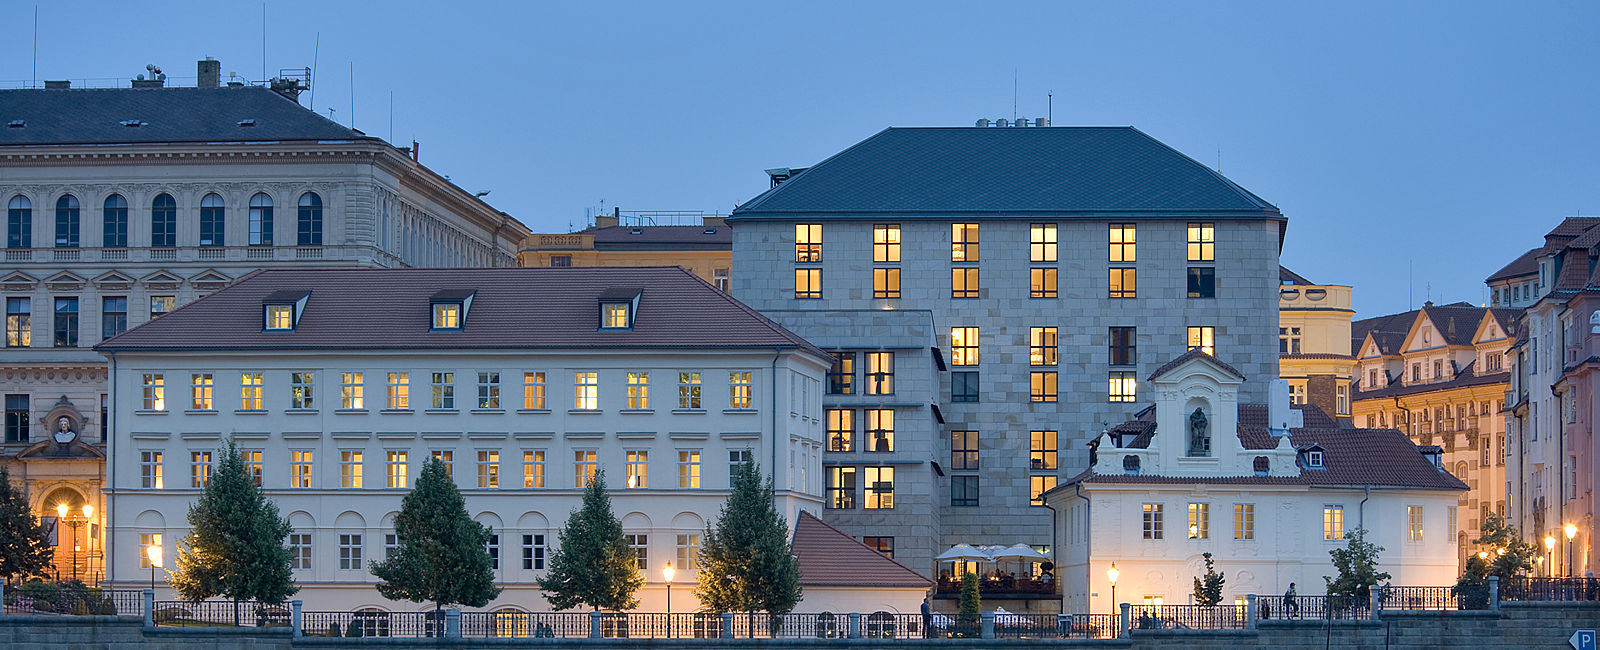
(895, 600)
(1324, 324)
(702, 263)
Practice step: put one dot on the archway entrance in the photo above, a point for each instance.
(72, 519)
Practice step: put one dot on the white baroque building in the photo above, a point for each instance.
(339, 384)
(1267, 489)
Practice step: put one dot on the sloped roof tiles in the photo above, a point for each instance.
(828, 557)
(162, 115)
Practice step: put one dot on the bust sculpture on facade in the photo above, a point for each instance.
(64, 433)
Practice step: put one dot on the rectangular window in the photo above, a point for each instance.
(688, 552)
(1204, 339)
(1038, 484)
(251, 386)
(147, 540)
(1042, 242)
(880, 373)
(533, 469)
(808, 284)
(1043, 346)
(18, 418)
(1123, 239)
(963, 346)
(842, 374)
(1042, 450)
(1289, 342)
(399, 394)
(963, 450)
(738, 457)
(964, 386)
(1123, 347)
(533, 391)
(880, 487)
(880, 430)
(808, 242)
(533, 550)
(301, 462)
(1152, 521)
(1123, 282)
(444, 390)
(720, 279)
(964, 491)
(201, 387)
(964, 282)
(637, 465)
(1122, 386)
(841, 488)
(252, 464)
(448, 458)
(350, 552)
(1042, 386)
(1199, 521)
(740, 390)
(161, 305)
(280, 317)
(886, 243)
(302, 390)
(150, 470)
(66, 323)
(488, 390)
(155, 391)
(492, 547)
(1042, 282)
(488, 469)
(19, 326)
(963, 242)
(1202, 282)
(638, 390)
(641, 549)
(1244, 521)
(391, 543)
(586, 390)
(1332, 523)
(300, 551)
(199, 468)
(689, 390)
(841, 429)
(688, 468)
(113, 316)
(1202, 242)
(585, 465)
(615, 315)
(350, 468)
(447, 315)
(395, 470)
(352, 390)
(886, 282)
(1413, 523)
(1341, 401)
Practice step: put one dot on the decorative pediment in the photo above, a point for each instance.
(52, 450)
(65, 281)
(162, 281)
(114, 281)
(209, 280)
(17, 281)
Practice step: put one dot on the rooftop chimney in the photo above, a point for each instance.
(289, 88)
(57, 85)
(210, 73)
(608, 220)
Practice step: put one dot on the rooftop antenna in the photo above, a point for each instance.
(391, 116)
(1219, 159)
(35, 81)
(316, 49)
(352, 94)
(1050, 106)
(330, 113)
(1013, 94)
(264, 42)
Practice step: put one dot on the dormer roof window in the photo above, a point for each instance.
(618, 307)
(281, 309)
(450, 307)
(1312, 457)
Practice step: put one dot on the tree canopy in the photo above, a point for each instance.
(1208, 589)
(442, 555)
(236, 545)
(747, 562)
(24, 544)
(1357, 564)
(593, 565)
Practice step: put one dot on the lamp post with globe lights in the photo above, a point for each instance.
(1571, 531)
(1550, 548)
(62, 510)
(667, 574)
(1111, 574)
(153, 552)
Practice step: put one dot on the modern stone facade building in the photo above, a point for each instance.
(125, 204)
(993, 296)
(339, 384)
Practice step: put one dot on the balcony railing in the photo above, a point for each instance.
(185, 253)
(993, 585)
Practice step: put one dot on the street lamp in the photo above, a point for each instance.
(1550, 547)
(667, 574)
(61, 512)
(153, 551)
(1111, 574)
(1571, 530)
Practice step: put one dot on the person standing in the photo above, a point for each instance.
(1289, 604)
(927, 619)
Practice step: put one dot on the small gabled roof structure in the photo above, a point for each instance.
(828, 557)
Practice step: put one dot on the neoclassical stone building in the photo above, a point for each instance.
(125, 204)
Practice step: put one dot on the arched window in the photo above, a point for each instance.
(67, 214)
(211, 217)
(115, 219)
(164, 222)
(19, 223)
(260, 220)
(310, 222)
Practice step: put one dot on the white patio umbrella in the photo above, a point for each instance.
(964, 552)
(1018, 551)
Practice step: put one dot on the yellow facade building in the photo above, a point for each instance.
(1314, 342)
(705, 248)
(1440, 374)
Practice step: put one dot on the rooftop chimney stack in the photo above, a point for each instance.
(210, 73)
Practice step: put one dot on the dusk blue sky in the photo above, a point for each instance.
(1431, 140)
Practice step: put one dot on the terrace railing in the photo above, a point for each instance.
(1550, 589)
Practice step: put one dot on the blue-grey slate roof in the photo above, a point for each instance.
(1000, 171)
(96, 116)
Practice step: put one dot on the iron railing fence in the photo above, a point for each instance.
(72, 599)
(1433, 598)
(373, 623)
(219, 613)
(1189, 617)
(1089, 626)
(1313, 608)
(1550, 589)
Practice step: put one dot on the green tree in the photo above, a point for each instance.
(1208, 590)
(747, 563)
(1357, 564)
(1508, 554)
(24, 546)
(970, 606)
(593, 566)
(236, 544)
(442, 557)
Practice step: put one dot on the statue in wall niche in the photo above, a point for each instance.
(1199, 441)
(64, 433)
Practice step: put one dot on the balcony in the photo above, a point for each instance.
(1003, 586)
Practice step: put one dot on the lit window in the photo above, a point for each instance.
(1123, 282)
(1043, 346)
(1042, 246)
(19, 327)
(616, 315)
(533, 390)
(301, 462)
(201, 391)
(155, 391)
(842, 374)
(352, 390)
(808, 242)
(1042, 282)
(1038, 484)
(1199, 521)
(886, 243)
(251, 385)
(637, 465)
(533, 469)
(584, 467)
(963, 242)
(688, 469)
(1123, 239)
(444, 390)
(1332, 523)
(808, 284)
(1042, 386)
(841, 429)
(880, 430)
(199, 468)
(688, 552)
(1202, 242)
(880, 373)
(1152, 521)
(350, 469)
(841, 488)
(964, 282)
(1244, 521)
(447, 316)
(1042, 450)
(963, 450)
(488, 469)
(740, 390)
(147, 540)
(886, 282)
(689, 390)
(252, 464)
(280, 317)
(880, 487)
(1122, 386)
(1204, 339)
(160, 305)
(302, 390)
(488, 390)
(963, 346)
(1414, 523)
(395, 469)
(150, 470)
(399, 391)
(638, 390)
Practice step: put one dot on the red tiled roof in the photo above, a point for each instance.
(1192, 354)
(829, 557)
(1528, 264)
(511, 308)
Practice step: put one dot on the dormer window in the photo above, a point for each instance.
(282, 309)
(450, 307)
(618, 308)
(1313, 458)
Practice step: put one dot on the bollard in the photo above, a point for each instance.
(594, 625)
(149, 596)
(452, 623)
(727, 625)
(855, 625)
(295, 626)
(1250, 611)
(1494, 593)
(988, 624)
(1127, 620)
